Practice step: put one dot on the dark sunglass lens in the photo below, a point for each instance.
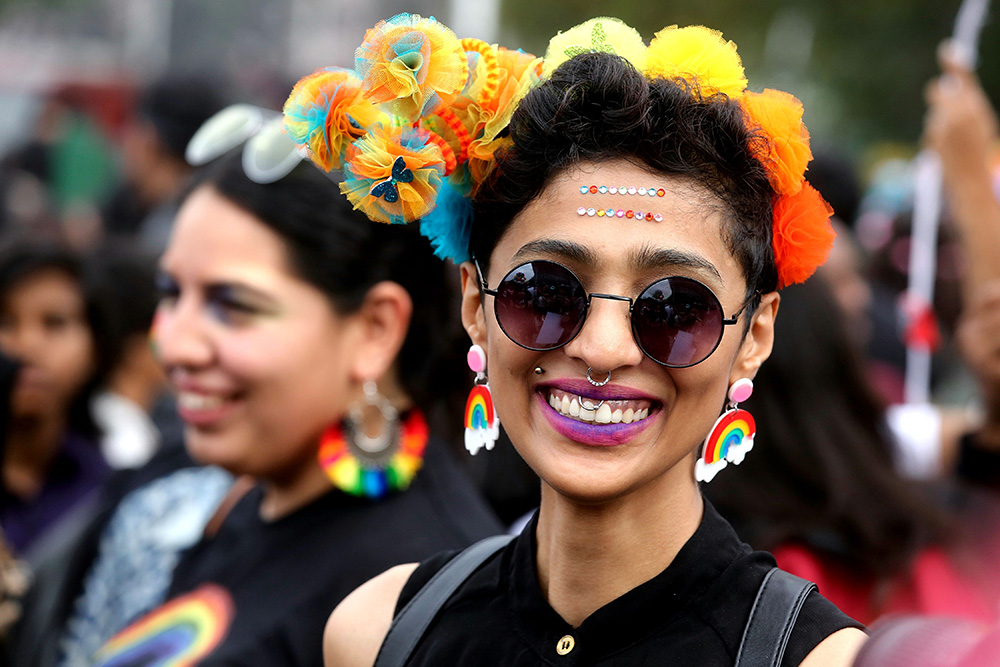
(677, 321)
(540, 305)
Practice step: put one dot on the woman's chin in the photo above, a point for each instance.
(215, 448)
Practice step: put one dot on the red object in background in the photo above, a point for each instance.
(915, 641)
(922, 330)
(110, 104)
(932, 585)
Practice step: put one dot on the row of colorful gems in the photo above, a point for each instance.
(620, 213)
(604, 190)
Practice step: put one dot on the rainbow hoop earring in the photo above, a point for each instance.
(368, 466)
(731, 437)
(482, 427)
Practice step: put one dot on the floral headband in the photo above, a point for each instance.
(416, 124)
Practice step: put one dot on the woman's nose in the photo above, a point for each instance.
(605, 342)
(180, 335)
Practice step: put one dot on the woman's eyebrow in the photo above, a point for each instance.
(564, 249)
(654, 258)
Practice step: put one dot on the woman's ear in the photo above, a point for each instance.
(759, 339)
(380, 325)
(473, 314)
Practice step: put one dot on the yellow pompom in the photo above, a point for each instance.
(697, 53)
(601, 34)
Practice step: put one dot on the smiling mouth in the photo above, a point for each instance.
(199, 402)
(591, 411)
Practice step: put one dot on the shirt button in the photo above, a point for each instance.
(565, 645)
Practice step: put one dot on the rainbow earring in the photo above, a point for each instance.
(368, 466)
(731, 437)
(482, 427)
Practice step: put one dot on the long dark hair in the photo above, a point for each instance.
(821, 470)
(344, 254)
(597, 107)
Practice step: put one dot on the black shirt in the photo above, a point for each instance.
(692, 613)
(269, 587)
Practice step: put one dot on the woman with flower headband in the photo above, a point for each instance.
(623, 215)
(307, 348)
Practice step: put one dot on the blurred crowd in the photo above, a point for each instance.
(891, 507)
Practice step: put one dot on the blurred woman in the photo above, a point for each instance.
(305, 347)
(51, 323)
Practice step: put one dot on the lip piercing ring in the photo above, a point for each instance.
(595, 382)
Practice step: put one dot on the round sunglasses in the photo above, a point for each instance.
(269, 154)
(676, 321)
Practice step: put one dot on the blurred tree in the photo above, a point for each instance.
(860, 67)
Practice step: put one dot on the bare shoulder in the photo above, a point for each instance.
(837, 650)
(358, 625)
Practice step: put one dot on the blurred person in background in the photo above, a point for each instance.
(133, 407)
(836, 179)
(53, 323)
(56, 182)
(962, 128)
(306, 345)
(822, 493)
(155, 172)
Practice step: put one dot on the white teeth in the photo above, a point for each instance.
(597, 412)
(192, 401)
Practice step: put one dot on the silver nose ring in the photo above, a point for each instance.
(595, 382)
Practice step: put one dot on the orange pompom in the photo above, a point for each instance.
(802, 236)
(786, 153)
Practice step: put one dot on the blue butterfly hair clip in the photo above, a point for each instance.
(387, 189)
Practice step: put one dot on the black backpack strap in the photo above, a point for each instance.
(413, 619)
(772, 617)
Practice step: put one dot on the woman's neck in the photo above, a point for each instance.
(589, 555)
(290, 492)
(32, 445)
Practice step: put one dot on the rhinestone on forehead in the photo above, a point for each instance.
(622, 190)
(619, 213)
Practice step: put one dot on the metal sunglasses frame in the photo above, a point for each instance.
(484, 288)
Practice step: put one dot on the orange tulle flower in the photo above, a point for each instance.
(411, 65)
(786, 151)
(803, 235)
(518, 72)
(393, 174)
(326, 111)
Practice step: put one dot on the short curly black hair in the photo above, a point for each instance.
(597, 107)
